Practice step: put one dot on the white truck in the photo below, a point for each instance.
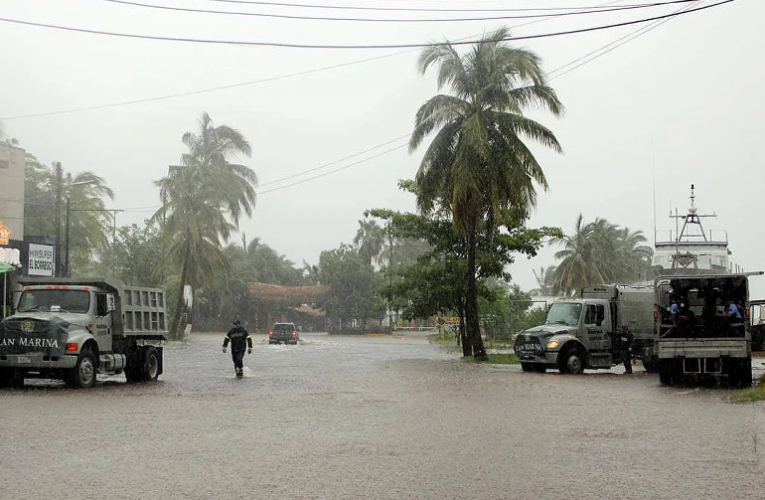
(74, 329)
(701, 339)
(585, 333)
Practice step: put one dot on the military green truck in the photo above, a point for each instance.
(701, 339)
(74, 329)
(585, 333)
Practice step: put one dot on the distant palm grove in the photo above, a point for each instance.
(475, 189)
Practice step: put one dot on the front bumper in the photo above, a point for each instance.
(543, 358)
(34, 362)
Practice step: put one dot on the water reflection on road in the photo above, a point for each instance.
(375, 417)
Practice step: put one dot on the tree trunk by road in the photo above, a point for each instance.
(472, 324)
(175, 325)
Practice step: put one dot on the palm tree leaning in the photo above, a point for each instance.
(477, 165)
(202, 202)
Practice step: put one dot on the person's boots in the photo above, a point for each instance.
(239, 373)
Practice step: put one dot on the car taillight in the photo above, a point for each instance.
(270, 333)
(294, 333)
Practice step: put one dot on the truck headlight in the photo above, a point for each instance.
(552, 344)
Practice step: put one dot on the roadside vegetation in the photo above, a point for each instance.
(751, 395)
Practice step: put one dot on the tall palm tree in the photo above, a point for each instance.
(478, 165)
(202, 203)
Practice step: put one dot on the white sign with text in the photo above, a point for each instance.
(40, 260)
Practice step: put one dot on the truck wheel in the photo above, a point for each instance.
(84, 373)
(572, 362)
(651, 365)
(665, 372)
(527, 367)
(150, 364)
(540, 368)
(133, 366)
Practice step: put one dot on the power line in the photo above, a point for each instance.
(402, 9)
(572, 65)
(392, 20)
(351, 47)
(581, 60)
(254, 82)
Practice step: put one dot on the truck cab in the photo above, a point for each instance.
(576, 334)
(589, 332)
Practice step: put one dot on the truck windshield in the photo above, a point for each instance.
(564, 313)
(73, 301)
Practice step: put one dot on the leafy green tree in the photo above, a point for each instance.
(477, 165)
(202, 202)
(435, 283)
(351, 281)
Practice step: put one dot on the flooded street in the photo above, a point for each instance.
(377, 418)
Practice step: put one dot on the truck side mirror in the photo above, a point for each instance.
(110, 306)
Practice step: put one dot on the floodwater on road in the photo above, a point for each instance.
(375, 418)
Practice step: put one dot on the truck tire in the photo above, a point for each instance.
(83, 374)
(651, 365)
(150, 371)
(539, 368)
(740, 373)
(665, 372)
(527, 367)
(133, 366)
(571, 361)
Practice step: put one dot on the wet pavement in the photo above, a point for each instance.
(376, 418)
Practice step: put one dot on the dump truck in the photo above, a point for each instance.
(74, 329)
(707, 333)
(585, 333)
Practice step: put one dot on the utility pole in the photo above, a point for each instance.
(66, 269)
(59, 179)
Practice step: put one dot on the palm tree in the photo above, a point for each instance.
(600, 252)
(89, 221)
(202, 202)
(477, 165)
(370, 240)
(588, 256)
(635, 255)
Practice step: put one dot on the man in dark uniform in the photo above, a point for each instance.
(625, 342)
(240, 340)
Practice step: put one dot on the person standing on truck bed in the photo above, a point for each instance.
(240, 339)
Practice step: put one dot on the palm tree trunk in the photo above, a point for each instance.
(175, 326)
(471, 298)
(464, 342)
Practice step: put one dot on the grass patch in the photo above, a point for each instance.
(446, 339)
(496, 359)
(751, 395)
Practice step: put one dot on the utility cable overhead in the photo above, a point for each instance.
(351, 47)
(253, 82)
(605, 49)
(394, 20)
(581, 60)
(403, 9)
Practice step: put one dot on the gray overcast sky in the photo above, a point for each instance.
(682, 102)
